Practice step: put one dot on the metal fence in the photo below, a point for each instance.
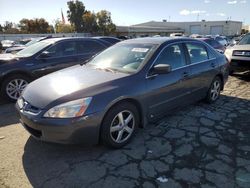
(16, 37)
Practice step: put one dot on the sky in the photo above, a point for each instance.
(130, 12)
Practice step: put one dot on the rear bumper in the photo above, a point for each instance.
(84, 130)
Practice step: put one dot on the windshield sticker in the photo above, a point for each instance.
(143, 50)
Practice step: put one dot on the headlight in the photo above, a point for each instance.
(69, 109)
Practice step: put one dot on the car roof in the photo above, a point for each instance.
(158, 40)
(69, 38)
(203, 39)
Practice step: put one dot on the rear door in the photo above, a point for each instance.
(167, 91)
(88, 48)
(202, 67)
(60, 55)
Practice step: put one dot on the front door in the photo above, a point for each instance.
(167, 91)
(60, 55)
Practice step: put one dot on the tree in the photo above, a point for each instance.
(7, 26)
(10, 28)
(105, 23)
(89, 20)
(64, 28)
(51, 29)
(75, 13)
(37, 25)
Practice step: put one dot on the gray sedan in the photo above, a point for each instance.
(120, 90)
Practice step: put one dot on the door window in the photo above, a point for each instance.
(197, 53)
(172, 55)
(63, 49)
(85, 47)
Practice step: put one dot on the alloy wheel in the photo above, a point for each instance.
(122, 126)
(215, 90)
(15, 87)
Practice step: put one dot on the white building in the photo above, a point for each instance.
(165, 28)
(246, 28)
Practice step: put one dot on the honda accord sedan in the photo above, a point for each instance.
(120, 90)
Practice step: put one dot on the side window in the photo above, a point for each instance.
(63, 49)
(84, 47)
(172, 55)
(197, 52)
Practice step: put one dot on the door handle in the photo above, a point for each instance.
(213, 65)
(185, 74)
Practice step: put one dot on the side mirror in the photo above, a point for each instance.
(220, 51)
(161, 69)
(45, 54)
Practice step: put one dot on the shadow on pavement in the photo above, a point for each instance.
(8, 114)
(245, 76)
(204, 138)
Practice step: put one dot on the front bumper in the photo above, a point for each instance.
(84, 130)
(240, 64)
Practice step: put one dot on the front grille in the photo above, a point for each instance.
(240, 63)
(27, 107)
(241, 53)
(32, 131)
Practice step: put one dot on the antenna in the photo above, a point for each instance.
(198, 17)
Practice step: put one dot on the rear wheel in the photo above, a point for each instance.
(119, 125)
(13, 86)
(214, 90)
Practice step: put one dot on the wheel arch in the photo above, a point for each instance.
(222, 80)
(130, 100)
(17, 72)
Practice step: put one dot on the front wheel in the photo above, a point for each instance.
(119, 125)
(13, 86)
(214, 90)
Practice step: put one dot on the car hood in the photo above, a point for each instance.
(8, 58)
(240, 47)
(66, 82)
(18, 48)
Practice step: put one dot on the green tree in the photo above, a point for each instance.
(7, 26)
(10, 28)
(105, 23)
(51, 29)
(89, 20)
(75, 13)
(64, 28)
(37, 25)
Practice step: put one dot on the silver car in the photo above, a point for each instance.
(239, 55)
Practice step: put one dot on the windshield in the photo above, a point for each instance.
(245, 40)
(126, 58)
(33, 41)
(32, 49)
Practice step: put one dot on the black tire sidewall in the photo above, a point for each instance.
(208, 98)
(6, 81)
(105, 129)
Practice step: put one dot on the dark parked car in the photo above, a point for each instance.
(17, 70)
(111, 40)
(121, 89)
(215, 44)
(16, 49)
(222, 40)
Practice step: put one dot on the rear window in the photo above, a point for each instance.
(88, 47)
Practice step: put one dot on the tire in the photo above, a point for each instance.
(213, 93)
(116, 119)
(14, 83)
